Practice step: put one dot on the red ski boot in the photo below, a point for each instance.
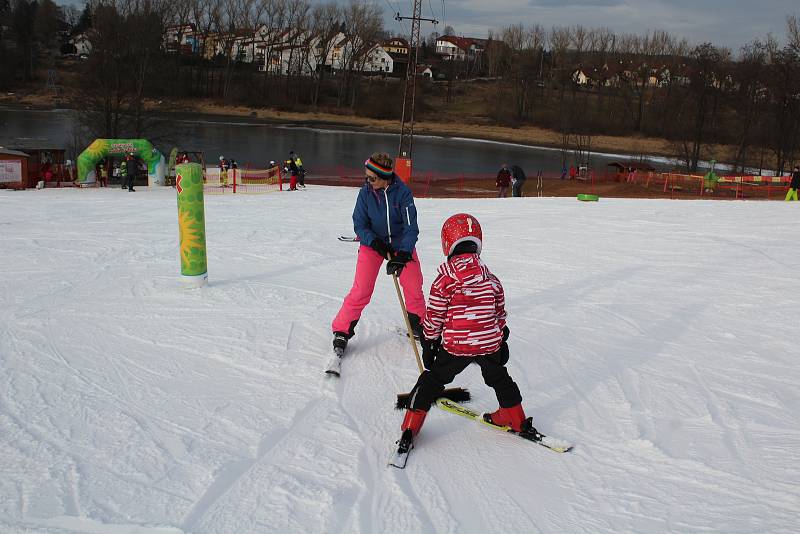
(413, 420)
(513, 417)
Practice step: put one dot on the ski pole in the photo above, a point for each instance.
(454, 394)
(408, 323)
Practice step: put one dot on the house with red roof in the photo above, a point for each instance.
(451, 47)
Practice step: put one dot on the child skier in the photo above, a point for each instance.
(465, 322)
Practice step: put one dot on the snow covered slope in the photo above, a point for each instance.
(658, 336)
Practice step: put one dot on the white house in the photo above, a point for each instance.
(451, 47)
(378, 60)
(580, 77)
(288, 52)
(180, 37)
(82, 43)
(396, 45)
(424, 71)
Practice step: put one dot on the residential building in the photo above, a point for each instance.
(396, 45)
(181, 38)
(378, 60)
(83, 44)
(451, 47)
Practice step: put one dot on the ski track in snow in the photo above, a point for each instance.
(654, 335)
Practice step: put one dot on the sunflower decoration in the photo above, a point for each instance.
(98, 148)
(192, 240)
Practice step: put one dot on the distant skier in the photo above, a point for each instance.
(503, 180)
(517, 180)
(301, 171)
(129, 168)
(465, 323)
(794, 185)
(224, 165)
(290, 167)
(102, 175)
(385, 220)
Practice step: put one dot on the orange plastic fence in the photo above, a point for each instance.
(247, 180)
(467, 185)
(764, 187)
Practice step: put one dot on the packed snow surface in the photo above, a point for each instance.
(660, 337)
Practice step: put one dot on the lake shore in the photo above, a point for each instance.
(627, 147)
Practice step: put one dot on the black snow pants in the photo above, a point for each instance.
(431, 383)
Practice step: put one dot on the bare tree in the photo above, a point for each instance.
(362, 25)
(227, 26)
(522, 60)
(579, 40)
(602, 41)
(747, 97)
(560, 38)
(793, 31)
(273, 21)
(297, 20)
(783, 80)
(705, 64)
(493, 54)
(325, 25)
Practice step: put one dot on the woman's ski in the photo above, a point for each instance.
(335, 364)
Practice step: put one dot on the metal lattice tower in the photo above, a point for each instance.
(409, 93)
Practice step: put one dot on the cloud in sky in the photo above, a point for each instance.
(730, 23)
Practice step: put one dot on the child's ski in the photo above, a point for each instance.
(404, 446)
(350, 238)
(554, 444)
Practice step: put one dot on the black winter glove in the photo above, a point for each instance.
(506, 332)
(430, 348)
(398, 261)
(381, 248)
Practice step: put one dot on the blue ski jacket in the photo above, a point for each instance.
(388, 214)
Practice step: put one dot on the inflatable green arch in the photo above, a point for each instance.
(101, 148)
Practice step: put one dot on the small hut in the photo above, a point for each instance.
(627, 166)
(628, 170)
(13, 169)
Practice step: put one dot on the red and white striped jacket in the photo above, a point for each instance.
(466, 307)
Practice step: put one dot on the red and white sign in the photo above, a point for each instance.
(10, 171)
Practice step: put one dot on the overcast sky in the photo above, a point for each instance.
(730, 23)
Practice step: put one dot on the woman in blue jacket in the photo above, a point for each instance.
(385, 220)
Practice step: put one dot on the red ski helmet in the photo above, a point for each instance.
(459, 228)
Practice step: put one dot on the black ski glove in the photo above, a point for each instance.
(398, 261)
(379, 246)
(430, 349)
(506, 332)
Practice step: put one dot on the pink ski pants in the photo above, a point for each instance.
(367, 269)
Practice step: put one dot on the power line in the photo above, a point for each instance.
(407, 117)
(397, 10)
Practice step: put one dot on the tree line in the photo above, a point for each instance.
(652, 85)
(579, 81)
